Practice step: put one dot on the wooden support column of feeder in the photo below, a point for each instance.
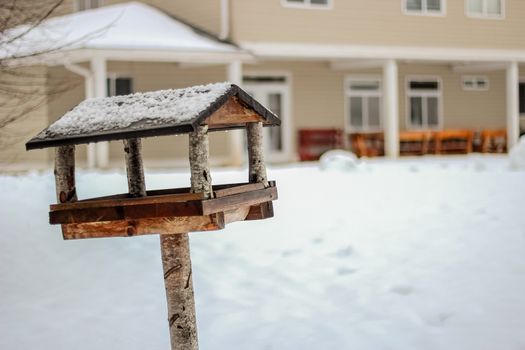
(256, 165)
(174, 212)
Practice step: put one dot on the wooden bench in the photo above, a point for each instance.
(314, 142)
(415, 142)
(453, 141)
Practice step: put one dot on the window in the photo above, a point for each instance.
(475, 83)
(87, 4)
(424, 7)
(314, 4)
(521, 97)
(117, 86)
(424, 103)
(485, 8)
(363, 104)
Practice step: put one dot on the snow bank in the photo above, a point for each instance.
(338, 160)
(383, 259)
(517, 155)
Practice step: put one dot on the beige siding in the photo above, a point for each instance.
(461, 109)
(376, 22)
(22, 116)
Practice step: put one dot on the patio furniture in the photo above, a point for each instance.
(494, 141)
(314, 142)
(453, 141)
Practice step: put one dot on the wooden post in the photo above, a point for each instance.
(65, 174)
(176, 264)
(134, 168)
(200, 169)
(257, 168)
(176, 259)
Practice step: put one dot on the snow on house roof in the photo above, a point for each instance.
(131, 25)
(155, 113)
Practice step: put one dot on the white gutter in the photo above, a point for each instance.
(89, 93)
(225, 20)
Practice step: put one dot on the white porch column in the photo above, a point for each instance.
(391, 109)
(236, 145)
(98, 66)
(513, 117)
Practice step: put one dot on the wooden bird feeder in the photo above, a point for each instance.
(172, 213)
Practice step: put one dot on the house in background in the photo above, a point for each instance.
(379, 67)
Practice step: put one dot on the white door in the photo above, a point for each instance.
(275, 97)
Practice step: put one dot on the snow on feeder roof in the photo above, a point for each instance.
(221, 106)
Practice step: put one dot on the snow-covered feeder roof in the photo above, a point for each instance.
(221, 106)
(128, 26)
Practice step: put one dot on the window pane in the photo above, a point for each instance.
(434, 5)
(475, 6)
(424, 85)
(123, 86)
(295, 1)
(374, 114)
(522, 98)
(275, 105)
(319, 2)
(364, 85)
(356, 112)
(494, 7)
(432, 111)
(414, 5)
(416, 111)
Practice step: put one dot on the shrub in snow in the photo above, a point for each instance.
(517, 155)
(338, 159)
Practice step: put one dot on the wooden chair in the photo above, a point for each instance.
(368, 144)
(494, 141)
(453, 141)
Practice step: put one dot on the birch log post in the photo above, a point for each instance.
(65, 174)
(176, 259)
(134, 168)
(257, 168)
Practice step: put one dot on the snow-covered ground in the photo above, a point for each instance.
(413, 254)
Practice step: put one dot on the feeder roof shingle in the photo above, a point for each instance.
(155, 113)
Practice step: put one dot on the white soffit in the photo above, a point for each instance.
(300, 51)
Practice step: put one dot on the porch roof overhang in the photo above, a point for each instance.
(335, 52)
(130, 32)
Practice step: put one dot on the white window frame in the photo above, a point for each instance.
(77, 5)
(485, 14)
(438, 94)
(307, 4)
(521, 81)
(474, 79)
(113, 82)
(424, 11)
(348, 93)
(287, 126)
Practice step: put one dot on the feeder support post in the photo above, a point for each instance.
(257, 168)
(65, 174)
(175, 250)
(134, 167)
